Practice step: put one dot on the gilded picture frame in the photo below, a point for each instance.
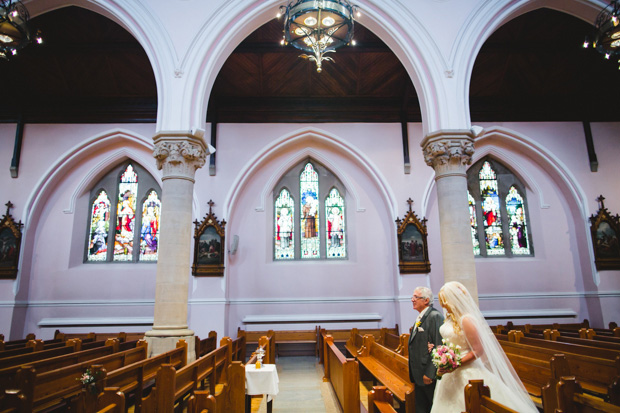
(209, 246)
(412, 244)
(605, 231)
(10, 244)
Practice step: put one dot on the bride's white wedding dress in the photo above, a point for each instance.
(450, 391)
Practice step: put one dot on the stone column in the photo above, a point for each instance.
(449, 152)
(179, 154)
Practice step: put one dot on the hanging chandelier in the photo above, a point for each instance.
(318, 27)
(14, 31)
(606, 37)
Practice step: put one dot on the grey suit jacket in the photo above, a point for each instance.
(420, 363)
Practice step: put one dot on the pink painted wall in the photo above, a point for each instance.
(60, 162)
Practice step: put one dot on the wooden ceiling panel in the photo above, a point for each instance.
(92, 70)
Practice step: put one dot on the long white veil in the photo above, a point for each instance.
(457, 300)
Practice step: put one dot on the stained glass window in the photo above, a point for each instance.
(473, 222)
(284, 226)
(334, 222)
(149, 233)
(490, 210)
(517, 225)
(497, 211)
(309, 191)
(300, 230)
(126, 215)
(99, 227)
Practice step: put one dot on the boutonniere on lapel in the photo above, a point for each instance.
(417, 326)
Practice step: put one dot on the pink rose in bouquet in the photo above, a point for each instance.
(446, 357)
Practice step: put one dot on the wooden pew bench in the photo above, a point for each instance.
(37, 392)
(572, 399)
(600, 377)
(239, 347)
(292, 342)
(206, 345)
(478, 399)
(380, 400)
(13, 343)
(178, 386)
(390, 369)
(8, 375)
(344, 375)
(134, 378)
(564, 347)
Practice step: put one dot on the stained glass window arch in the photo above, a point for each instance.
(498, 211)
(310, 200)
(124, 216)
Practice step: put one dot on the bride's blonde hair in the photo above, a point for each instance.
(454, 287)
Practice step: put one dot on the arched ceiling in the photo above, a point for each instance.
(534, 69)
(92, 70)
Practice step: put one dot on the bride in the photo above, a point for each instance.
(481, 357)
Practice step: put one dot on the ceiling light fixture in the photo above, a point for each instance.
(318, 27)
(606, 37)
(14, 31)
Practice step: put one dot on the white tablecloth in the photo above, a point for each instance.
(261, 381)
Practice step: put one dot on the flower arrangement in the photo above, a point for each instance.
(446, 357)
(88, 379)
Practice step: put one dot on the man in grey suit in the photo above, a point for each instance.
(422, 372)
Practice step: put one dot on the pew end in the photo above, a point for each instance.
(380, 400)
(478, 399)
(572, 399)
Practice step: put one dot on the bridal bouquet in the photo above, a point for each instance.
(447, 356)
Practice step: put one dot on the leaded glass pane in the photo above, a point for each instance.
(335, 235)
(285, 228)
(99, 227)
(490, 210)
(518, 226)
(126, 214)
(309, 190)
(149, 234)
(473, 222)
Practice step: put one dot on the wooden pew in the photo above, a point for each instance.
(36, 392)
(389, 340)
(92, 336)
(179, 386)
(8, 375)
(291, 342)
(267, 344)
(342, 336)
(206, 345)
(380, 400)
(239, 346)
(390, 369)
(11, 343)
(533, 364)
(134, 378)
(572, 399)
(355, 342)
(478, 399)
(565, 347)
(182, 387)
(70, 347)
(344, 375)
(112, 400)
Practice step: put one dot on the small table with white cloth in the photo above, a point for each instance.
(260, 381)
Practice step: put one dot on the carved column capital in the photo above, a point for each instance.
(448, 151)
(180, 154)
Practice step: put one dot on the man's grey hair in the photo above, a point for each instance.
(425, 292)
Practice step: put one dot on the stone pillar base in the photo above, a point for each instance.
(159, 344)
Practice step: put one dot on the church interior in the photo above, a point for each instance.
(177, 170)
